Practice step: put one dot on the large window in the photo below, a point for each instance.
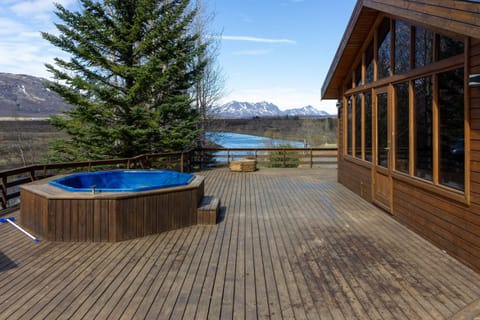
(382, 129)
(402, 47)
(423, 47)
(423, 128)
(402, 127)
(383, 53)
(349, 125)
(448, 47)
(451, 129)
(427, 116)
(369, 63)
(358, 76)
(358, 126)
(368, 126)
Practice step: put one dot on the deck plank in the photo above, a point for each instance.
(290, 244)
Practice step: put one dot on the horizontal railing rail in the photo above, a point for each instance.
(268, 157)
(12, 179)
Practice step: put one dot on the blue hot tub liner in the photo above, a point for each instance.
(122, 180)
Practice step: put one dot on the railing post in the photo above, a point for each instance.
(311, 158)
(228, 157)
(4, 193)
(284, 158)
(181, 162)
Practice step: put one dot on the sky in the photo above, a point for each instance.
(277, 51)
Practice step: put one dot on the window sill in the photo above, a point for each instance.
(440, 190)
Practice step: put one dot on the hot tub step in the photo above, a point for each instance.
(207, 211)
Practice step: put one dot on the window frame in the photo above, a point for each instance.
(437, 66)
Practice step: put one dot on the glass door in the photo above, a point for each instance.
(382, 172)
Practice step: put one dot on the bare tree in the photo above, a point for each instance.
(209, 87)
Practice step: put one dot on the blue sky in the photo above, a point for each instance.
(271, 50)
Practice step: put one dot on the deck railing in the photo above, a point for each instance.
(180, 161)
(268, 157)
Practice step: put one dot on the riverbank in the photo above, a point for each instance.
(315, 132)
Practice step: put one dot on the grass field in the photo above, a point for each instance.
(24, 142)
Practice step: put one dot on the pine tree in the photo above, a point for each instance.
(132, 65)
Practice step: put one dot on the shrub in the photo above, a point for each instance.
(284, 158)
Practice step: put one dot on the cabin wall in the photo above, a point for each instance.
(357, 178)
(451, 225)
(454, 227)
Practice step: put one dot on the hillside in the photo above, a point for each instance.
(26, 96)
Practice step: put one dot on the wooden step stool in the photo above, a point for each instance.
(207, 211)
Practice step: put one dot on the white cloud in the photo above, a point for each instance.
(36, 7)
(258, 52)
(10, 27)
(257, 39)
(22, 49)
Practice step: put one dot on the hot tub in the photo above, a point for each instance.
(110, 205)
(122, 180)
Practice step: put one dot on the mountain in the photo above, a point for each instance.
(307, 111)
(26, 96)
(236, 109)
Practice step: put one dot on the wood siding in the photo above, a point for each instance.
(455, 16)
(357, 178)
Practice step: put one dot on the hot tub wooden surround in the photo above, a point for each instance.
(58, 215)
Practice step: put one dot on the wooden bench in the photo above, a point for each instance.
(243, 165)
(207, 211)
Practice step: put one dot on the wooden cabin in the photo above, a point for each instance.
(407, 79)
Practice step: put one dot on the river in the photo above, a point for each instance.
(237, 140)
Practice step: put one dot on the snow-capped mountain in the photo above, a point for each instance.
(236, 109)
(307, 111)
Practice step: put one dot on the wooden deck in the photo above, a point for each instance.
(293, 244)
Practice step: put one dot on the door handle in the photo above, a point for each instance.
(387, 148)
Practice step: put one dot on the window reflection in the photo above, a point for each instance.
(423, 128)
(369, 63)
(368, 126)
(358, 75)
(448, 47)
(402, 128)
(452, 132)
(423, 47)
(358, 126)
(402, 47)
(382, 127)
(383, 66)
(349, 125)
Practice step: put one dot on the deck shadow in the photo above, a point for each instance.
(221, 214)
(6, 263)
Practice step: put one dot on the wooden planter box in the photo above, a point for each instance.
(244, 165)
